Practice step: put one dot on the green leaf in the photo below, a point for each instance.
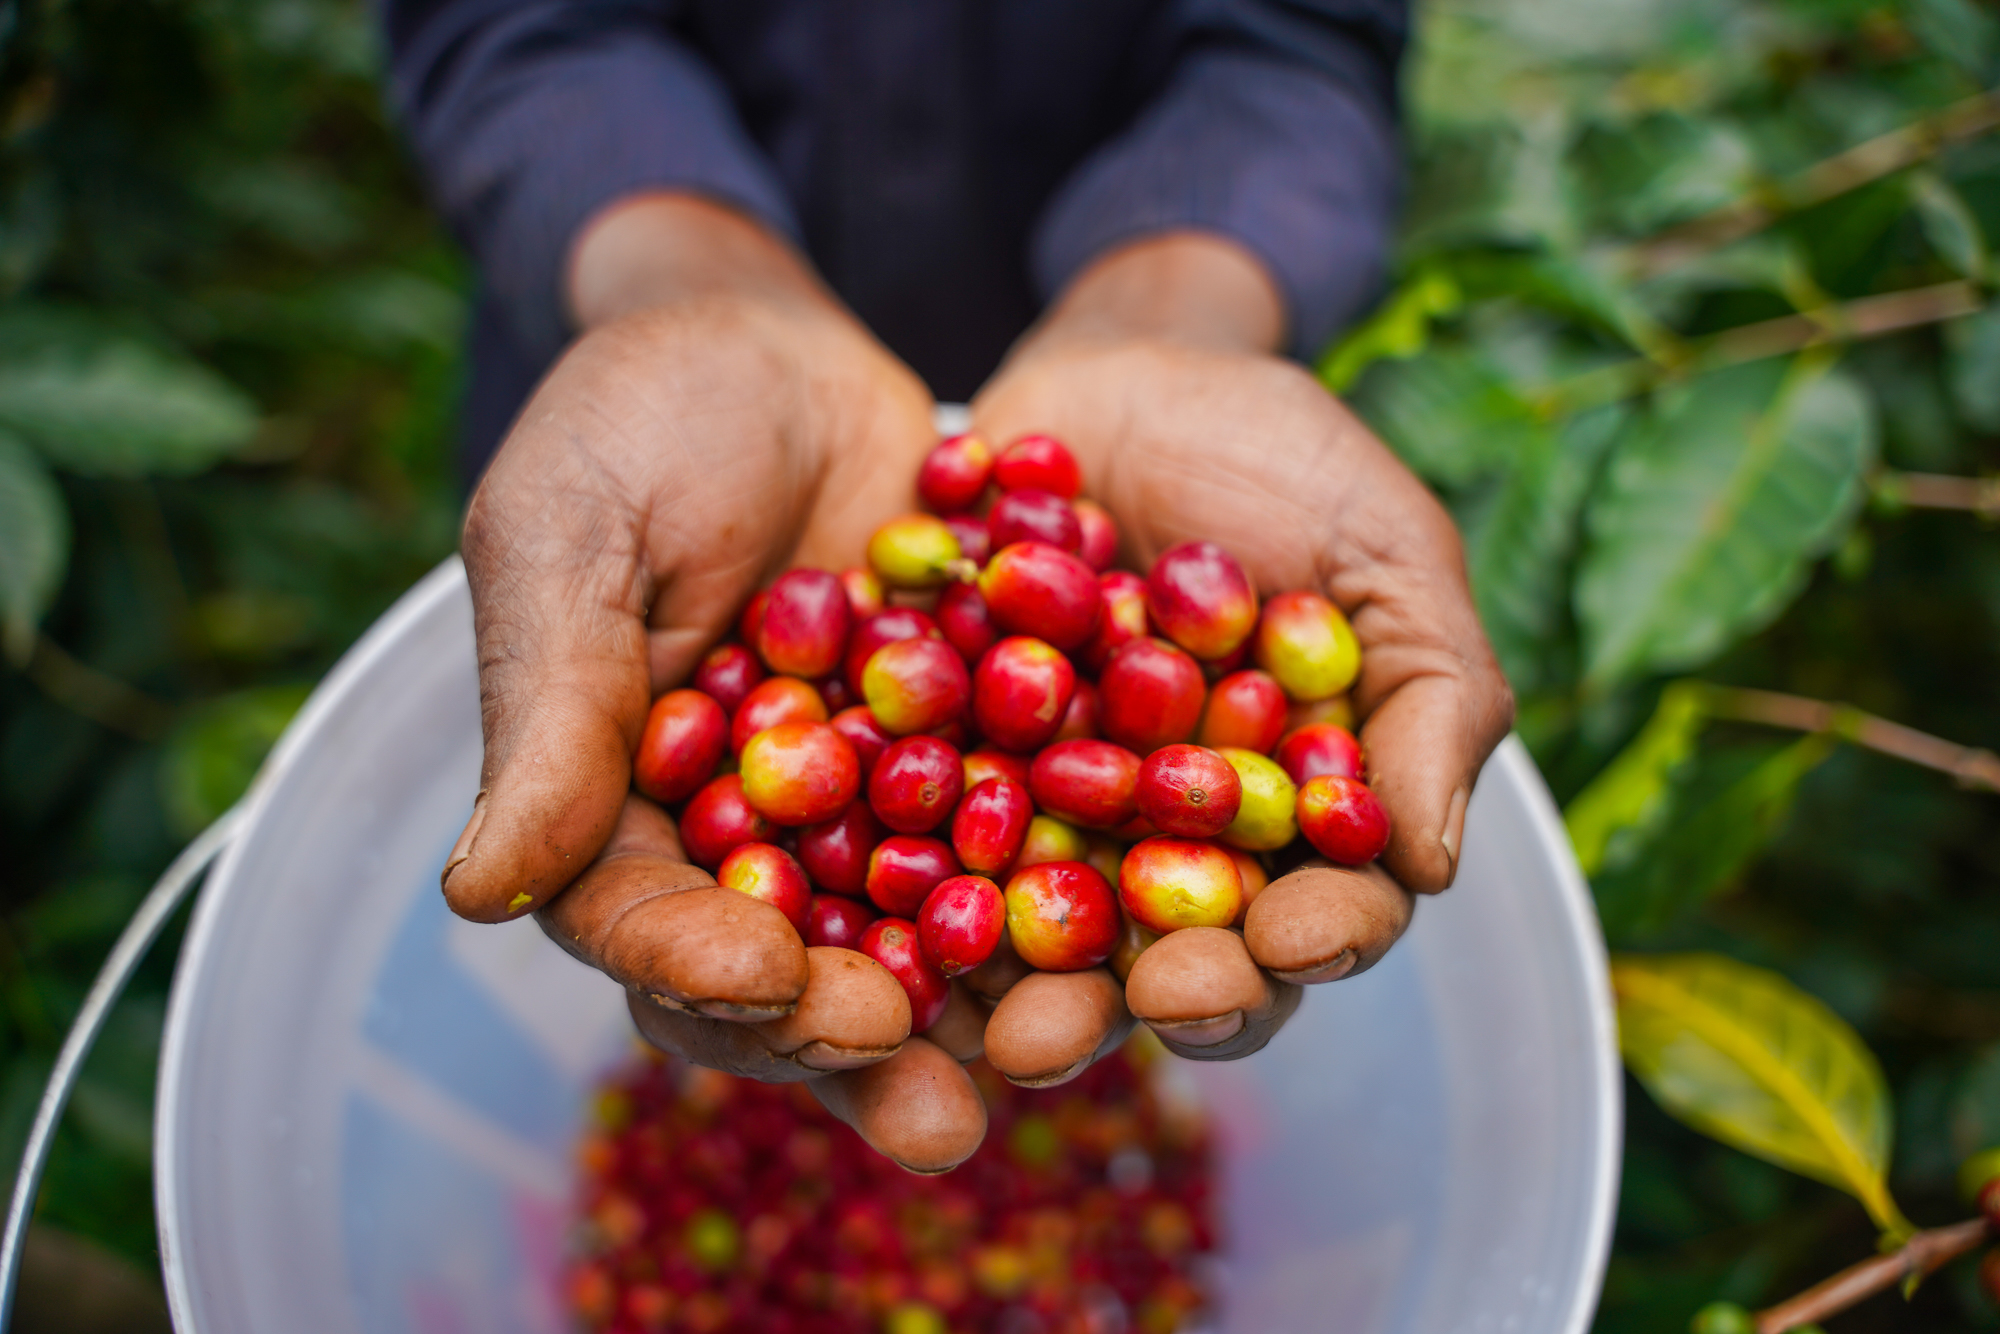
(1519, 544)
(1745, 1057)
(1399, 329)
(1973, 347)
(98, 401)
(1450, 413)
(211, 759)
(1711, 510)
(1632, 791)
(34, 544)
(1949, 225)
(1709, 835)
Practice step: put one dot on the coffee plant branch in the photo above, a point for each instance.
(1922, 1255)
(1970, 766)
(1835, 322)
(1844, 171)
(1932, 491)
(98, 696)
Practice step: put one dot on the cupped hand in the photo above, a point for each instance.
(720, 420)
(1152, 371)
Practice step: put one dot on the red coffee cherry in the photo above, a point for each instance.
(835, 853)
(1343, 819)
(837, 921)
(915, 685)
(781, 699)
(975, 539)
(865, 594)
(954, 473)
(884, 627)
(1080, 719)
(892, 942)
(1200, 598)
(1189, 791)
(904, 868)
(1041, 463)
(961, 923)
(1032, 588)
(916, 784)
(834, 694)
(1061, 916)
(1089, 783)
(1168, 883)
(684, 739)
(962, 616)
(1319, 748)
(766, 872)
(987, 762)
(868, 737)
(1100, 535)
(1245, 710)
(727, 675)
(1151, 696)
(1021, 693)
(1123, 618)
(799, 773)
(805, 624)
(1034, 516)
(989, 825)
(719, 819)
(752, 618)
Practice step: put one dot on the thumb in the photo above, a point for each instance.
(559, 612)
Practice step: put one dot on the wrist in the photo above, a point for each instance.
(1189, 288)
(660, 250)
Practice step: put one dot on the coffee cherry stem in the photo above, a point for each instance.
(962, 570)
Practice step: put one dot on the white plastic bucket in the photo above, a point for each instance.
(366, 1106)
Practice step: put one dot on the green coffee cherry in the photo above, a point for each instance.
(1722, 1318)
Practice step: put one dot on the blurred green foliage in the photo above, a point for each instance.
(228, 338)
(1658, 339)
(228, 364)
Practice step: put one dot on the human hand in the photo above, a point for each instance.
(1155, 370)
(720, 419)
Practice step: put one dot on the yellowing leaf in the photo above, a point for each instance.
(1742, 1055)
(1399, 328)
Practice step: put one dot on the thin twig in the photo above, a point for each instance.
(98, 696)
(1836, 322)
(1857, 166)
(1970, 766)
(1922, 1255)
(1936, 491)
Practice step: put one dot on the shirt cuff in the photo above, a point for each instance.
(1299, 168)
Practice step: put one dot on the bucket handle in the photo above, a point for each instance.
(154, 911)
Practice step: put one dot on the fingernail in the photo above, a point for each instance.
(1339, 966)
(1454, 830)
(463, 848)
(1200, 1032)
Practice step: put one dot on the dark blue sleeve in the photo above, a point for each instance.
(530, 115)
(1276, 128)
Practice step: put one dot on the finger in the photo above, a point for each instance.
(961, 1029)
(852, 1013)
(664, 928)
(1050, 1027)
(997, 976)
(1322, 923)
(919, 1107)
(1206, 998)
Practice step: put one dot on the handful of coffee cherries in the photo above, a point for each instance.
(989, 750)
